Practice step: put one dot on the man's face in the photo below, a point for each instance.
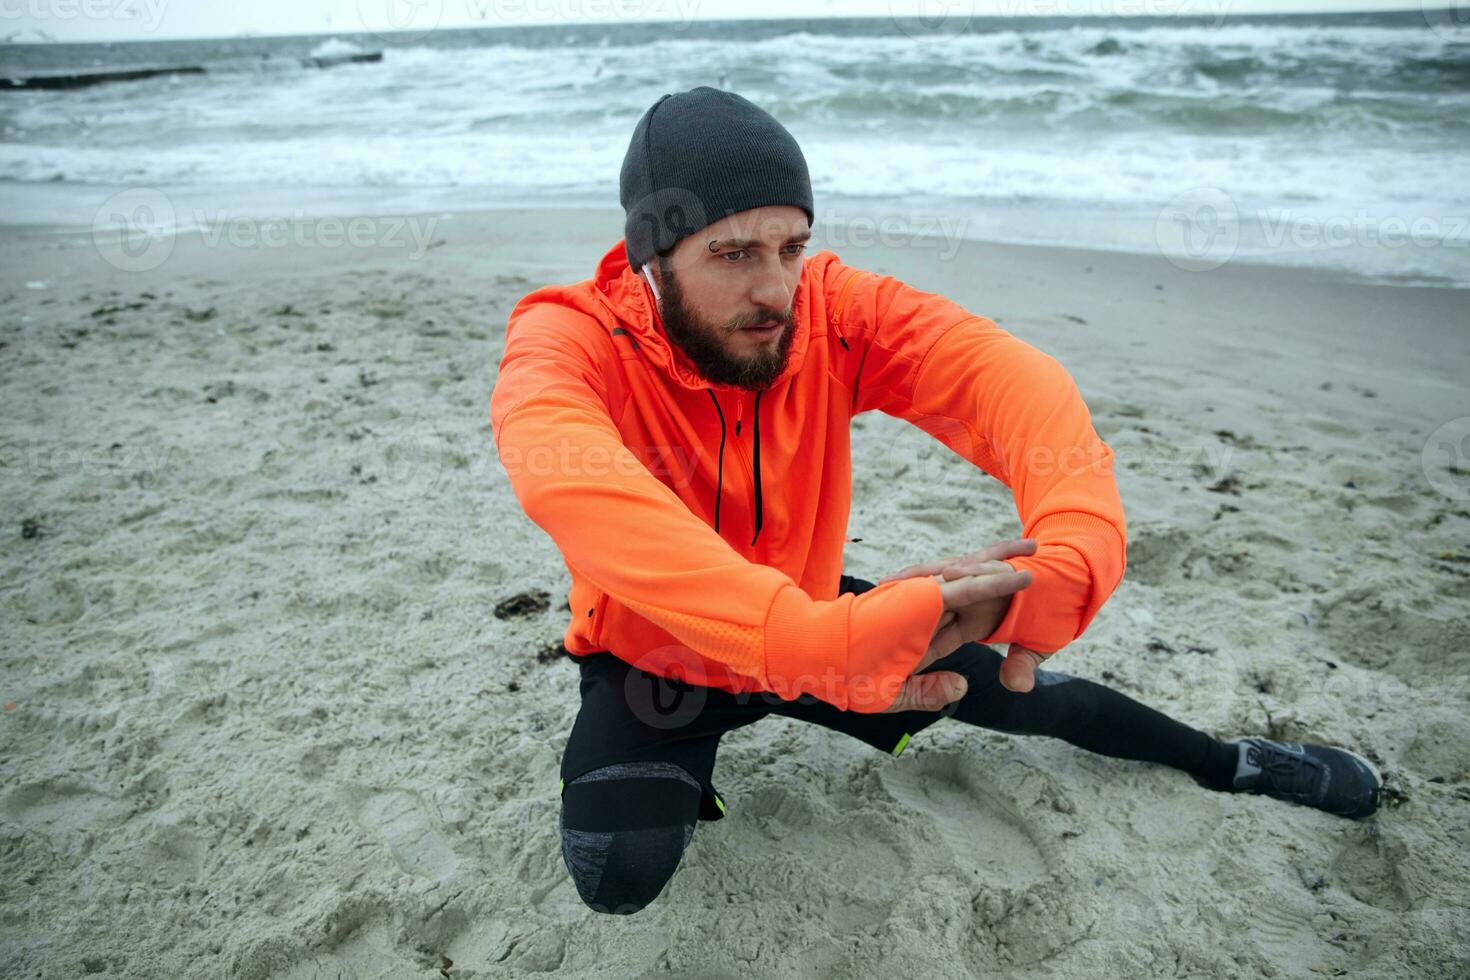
(726, 294)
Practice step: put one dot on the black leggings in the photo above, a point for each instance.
(636, 791)
(1093, 717)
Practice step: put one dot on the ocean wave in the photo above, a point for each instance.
(1065, 116)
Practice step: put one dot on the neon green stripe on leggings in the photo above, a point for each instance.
(902, 744)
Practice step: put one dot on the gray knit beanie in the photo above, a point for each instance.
(699, 156)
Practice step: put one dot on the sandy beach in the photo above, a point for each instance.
(262, 719)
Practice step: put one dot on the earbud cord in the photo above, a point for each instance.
(651, 284)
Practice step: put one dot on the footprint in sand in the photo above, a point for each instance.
(1168, 826)
(1282, 923)
(59, 805)
(1024, 906)
(859, 888)
(988, 839)
(1374, 870)
(1155, 554)
(401, 821)
(1375, 631)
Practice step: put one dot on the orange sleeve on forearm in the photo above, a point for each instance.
(1016, 413)
(1026, 424)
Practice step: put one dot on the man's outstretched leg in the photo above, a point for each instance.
(1108, 722)
(1086, 714)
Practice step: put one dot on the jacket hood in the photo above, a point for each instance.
(627, 305)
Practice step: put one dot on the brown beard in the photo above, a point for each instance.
(700, 341)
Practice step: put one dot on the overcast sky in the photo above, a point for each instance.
(104, 20)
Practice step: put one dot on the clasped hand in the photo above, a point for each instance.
(977, 590)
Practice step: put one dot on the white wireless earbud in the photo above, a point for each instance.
(651, 284)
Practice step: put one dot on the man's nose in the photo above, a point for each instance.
(769, 289)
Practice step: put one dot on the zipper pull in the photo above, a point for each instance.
(739, 410)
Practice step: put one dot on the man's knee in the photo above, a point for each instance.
(624, 832)
(630, 869)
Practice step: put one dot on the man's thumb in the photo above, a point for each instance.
(931, 691)
(1018, 670)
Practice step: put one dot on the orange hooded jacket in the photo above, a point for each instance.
(703, 525)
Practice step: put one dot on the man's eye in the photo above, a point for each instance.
(738, 251)
(798, 247)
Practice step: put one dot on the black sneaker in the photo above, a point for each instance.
(1334, 780)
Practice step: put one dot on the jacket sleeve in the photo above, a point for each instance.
(1013, 411)
(625, 531)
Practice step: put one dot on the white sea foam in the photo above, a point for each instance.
(1087, 120)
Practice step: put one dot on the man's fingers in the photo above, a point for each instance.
(946, 641)
(929, 692)
(1018, 670)
(999, 551)
(995, 554)
(970, 589)
(965, 567)
(923, 568)
(1007, 549)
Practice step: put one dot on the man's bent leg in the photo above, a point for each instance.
(624, 828)
(636, 778)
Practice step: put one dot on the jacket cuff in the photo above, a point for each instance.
(1079, 561)
(854, 652)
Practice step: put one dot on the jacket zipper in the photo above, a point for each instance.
(746, 469)
(739, 448)
(841, 307)
(596, 614)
